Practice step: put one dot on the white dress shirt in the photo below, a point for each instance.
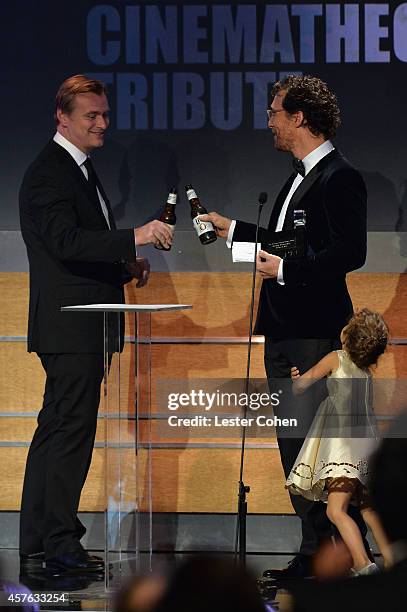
(80, 157)
(309, 162)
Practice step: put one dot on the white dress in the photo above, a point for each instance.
(342, 436)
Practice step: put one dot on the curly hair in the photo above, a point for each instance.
(313, 97)
(365, 338)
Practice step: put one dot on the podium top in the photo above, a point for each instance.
(125, 307)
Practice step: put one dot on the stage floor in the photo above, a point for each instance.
(84, 593)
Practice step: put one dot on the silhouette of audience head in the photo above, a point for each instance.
(201, 584)
(140, 594)
(212, 584)
(388, 482)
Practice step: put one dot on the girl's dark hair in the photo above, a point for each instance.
(365, 338)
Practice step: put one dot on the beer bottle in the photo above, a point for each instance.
(204, 229)
(168, 215)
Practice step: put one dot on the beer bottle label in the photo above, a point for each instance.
(202, 226)
(172, 198)
(191, 194)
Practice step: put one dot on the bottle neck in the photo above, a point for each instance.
(196, 207)
(168, 214)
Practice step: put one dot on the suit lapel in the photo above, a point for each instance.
(80, 178)
(111, 218)
(305, 185)
(311, 178)
(107, 202)
(275, 213)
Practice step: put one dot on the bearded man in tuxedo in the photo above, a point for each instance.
(305, 303)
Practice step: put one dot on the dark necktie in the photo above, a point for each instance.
(299, 166)
(92, 180)
(93, 184)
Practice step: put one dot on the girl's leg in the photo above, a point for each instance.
(372, 520)
(338, 503)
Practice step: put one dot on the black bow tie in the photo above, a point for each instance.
(299, 166)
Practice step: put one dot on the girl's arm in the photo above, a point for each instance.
(326, 366)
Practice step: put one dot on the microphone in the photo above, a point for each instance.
(240, 534)
(262, 198)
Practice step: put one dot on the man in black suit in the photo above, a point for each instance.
(76, 256)
(305, 303)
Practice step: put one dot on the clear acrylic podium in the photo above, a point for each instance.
(126, 407)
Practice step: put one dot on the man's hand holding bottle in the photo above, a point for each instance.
(220, 224)
(160, 232)
(156, 232)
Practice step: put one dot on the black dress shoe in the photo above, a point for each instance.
(42, 581)
(98, 558)
(267, 589)
(74, 562)
(32, 560)
(95, 557)
(36, 560)
(299, 567)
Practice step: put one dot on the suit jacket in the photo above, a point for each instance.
(314, 301)
(74, 258)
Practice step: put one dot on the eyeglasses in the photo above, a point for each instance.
(271, 112)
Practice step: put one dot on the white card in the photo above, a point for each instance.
(244, 251)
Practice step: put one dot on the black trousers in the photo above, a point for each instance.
(60, 454)
(279, 357)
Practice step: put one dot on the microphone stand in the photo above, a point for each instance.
(240, 534)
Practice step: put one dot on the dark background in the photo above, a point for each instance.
(45, 41)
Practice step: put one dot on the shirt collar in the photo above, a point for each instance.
(316, 155)
(78, 155)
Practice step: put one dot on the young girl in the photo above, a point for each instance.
(332, 466)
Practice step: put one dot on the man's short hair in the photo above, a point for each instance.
(77, 84)
(313, 97)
